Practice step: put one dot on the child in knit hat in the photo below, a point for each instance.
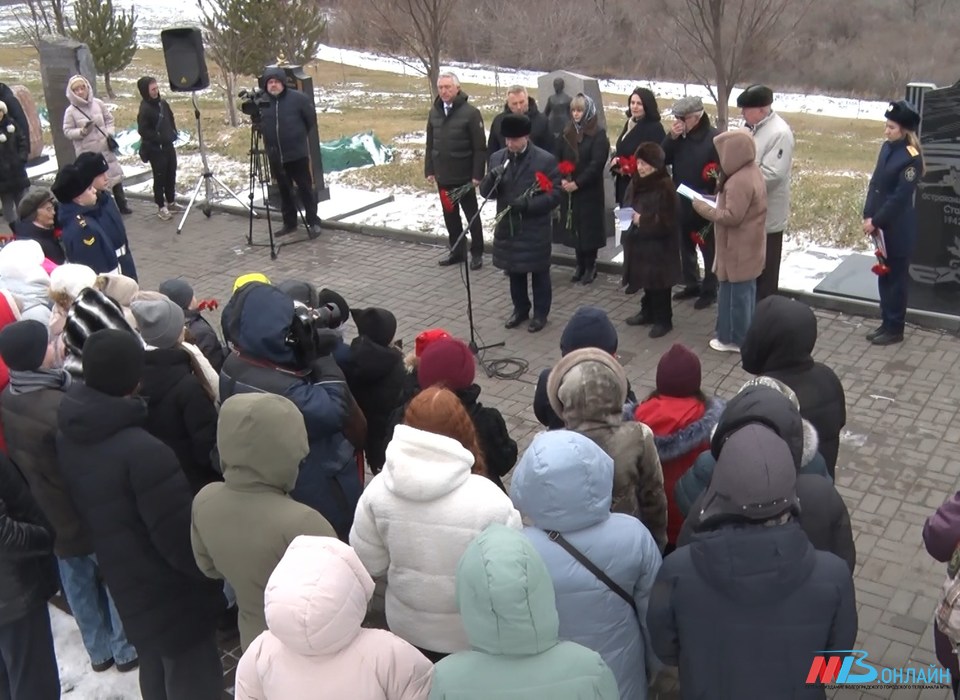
(449, 363)
(198, 329)
(375, 376)
(682, 419)
(412, 360)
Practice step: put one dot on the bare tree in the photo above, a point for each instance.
(412, 31)
(42, 18)
(719, 41)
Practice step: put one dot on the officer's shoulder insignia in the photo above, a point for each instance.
(912, 150)
(910, 174)
(81, 221)
(89, 241)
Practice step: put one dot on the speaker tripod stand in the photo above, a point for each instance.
(206, 180)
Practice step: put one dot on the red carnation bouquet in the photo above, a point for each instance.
(628, 165)
(566, 169)
(711, 175)
(880, 268)
(448, 198)
(208, 305)
(542, 183)
(701, 237)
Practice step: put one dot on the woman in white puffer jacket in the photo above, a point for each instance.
(416, 518)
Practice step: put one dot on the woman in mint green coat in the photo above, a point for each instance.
(506, 600)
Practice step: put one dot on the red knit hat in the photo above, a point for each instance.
(678, 372)
(428, 337)
(447, 362)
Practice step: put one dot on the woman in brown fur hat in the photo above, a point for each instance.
(651, 246)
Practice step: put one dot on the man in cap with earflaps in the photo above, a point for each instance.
(522, 240)
(774, 142)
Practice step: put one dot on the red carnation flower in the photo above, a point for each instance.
(711, 171)
(880, 269)
(628, 165)
(566, 168)
(445, 201)
(543, 182)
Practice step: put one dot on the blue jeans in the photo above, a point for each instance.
(735, 304)
(93, 609)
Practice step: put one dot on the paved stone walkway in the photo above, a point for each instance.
(898, 461)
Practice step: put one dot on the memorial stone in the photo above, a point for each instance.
(61, 58)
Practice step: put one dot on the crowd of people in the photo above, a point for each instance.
(169, 480)
(548, 172)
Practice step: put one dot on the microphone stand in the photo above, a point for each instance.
(474, 348)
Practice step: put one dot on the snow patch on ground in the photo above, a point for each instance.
(77, 679)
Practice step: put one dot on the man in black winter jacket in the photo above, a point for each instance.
(130, 491)
(454, 157)
(287, 123)
(522, 241)
(158, 132)
(689, 149)
(518, 102)
(744, 608)
(28, 579)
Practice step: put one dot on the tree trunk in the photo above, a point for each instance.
(231, 80)
(107, 86)
(723, 108)
(433, 74)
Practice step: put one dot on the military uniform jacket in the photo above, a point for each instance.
(84, 240)
(890, 198)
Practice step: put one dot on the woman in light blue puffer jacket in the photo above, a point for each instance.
(563, 483)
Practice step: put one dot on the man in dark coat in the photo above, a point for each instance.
(158, 132)
(131, 493)
(824, 517)
(557, 110)
(454, 157)
(522, 240)
(744, 608)
(519, 102)
(288, 121)
(28, 579)
(689, 149)
(780, 344)
(29, 406)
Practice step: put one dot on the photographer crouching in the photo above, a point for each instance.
(287, 122)
(280, 347)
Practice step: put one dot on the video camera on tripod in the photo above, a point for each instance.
(311, 335)
(252, 103)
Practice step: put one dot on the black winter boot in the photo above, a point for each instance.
(121, 197)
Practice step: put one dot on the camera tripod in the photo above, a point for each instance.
(259, 174)
(206, 179)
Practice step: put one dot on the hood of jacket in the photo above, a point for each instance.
(761, 404)
(262, 441)
(505, 595)
(143, 85)
(679, 441)
(587, 388)
(422, 466)
(76, 100)
(735, 149)
(264, 321)
(88, 416)
(753, 564)
(370, 361)
(278, 74)
(21, 261)
(781, 336)
(563, 482)
(317, 596)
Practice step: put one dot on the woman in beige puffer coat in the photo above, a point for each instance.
(88, 122)
(739, 225)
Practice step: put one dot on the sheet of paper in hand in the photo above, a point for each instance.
(692, 195)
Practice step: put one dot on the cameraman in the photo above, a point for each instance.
(277, 351)
(288, 120)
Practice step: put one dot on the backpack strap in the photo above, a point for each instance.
(593, 568)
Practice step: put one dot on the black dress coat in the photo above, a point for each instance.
(588, 150)
(651, 249)
(522, 240)
(14, 151)
(627, 144)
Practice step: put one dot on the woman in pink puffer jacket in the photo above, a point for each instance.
(315, 602)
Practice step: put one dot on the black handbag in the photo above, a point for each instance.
(593, 569)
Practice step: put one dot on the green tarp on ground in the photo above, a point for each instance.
(354, 151)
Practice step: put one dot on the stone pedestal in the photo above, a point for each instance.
(33, 117)
(574, 83)
(61, 58)
(299, 80)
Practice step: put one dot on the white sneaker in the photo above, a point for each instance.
(723, 347)
(173, 206)
(164, 214)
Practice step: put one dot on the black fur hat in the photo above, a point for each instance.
(69, 184)
(904, 114)
(515, 126)
(652, 154)
(755, 96)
